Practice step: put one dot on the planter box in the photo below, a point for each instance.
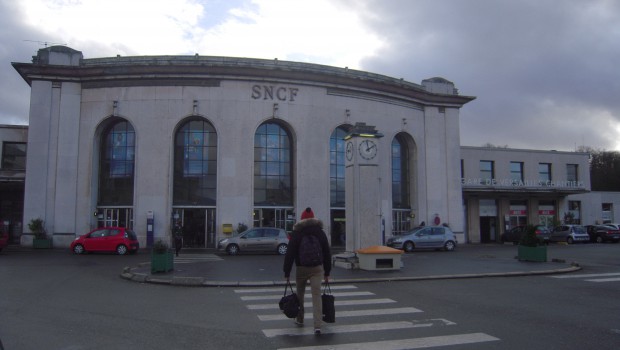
(41, 243)
(536, 254)
(162, 262)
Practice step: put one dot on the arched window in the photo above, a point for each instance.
(336, 167)
(400, 174)
(195, 163)
(272, 166)
(116, 165)
(401, 186)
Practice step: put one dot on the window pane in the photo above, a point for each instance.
(272, 168)
(116, 164)
(337, 160)
(195, 163)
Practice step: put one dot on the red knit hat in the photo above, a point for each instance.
(307, 214)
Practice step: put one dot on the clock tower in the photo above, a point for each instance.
(363, 207)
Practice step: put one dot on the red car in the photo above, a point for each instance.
(107, 239)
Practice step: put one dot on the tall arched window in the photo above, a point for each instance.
(272, 166)
(116, 165)
(336, 167)
(401, 195)
(400, 174)
(195, 163)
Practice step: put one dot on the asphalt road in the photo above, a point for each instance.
(56, 300)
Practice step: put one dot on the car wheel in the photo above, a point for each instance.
(232, 249)
(569, 240)
(599, 239)
(282, 248)
(408, 246)
(121, 249)
(449, 246)
(78, 249)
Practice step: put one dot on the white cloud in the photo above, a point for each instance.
(318, 31)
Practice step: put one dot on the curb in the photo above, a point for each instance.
(129, 275)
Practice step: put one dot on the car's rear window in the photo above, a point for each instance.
(131, 235)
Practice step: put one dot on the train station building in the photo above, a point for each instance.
(218, 142)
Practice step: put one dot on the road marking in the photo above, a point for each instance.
(413, 343)
(192, 258)
(308, 305)
(351, 313)
(587, 275)
(306, 296)
(279, 289)
(364, 327)
(604, 280)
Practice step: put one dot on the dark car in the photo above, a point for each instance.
(603, 233)
(424, 237)
(543, 234)
(257, 239)
(120, 240)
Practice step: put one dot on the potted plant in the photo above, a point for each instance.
(529, 248)
(162, 258)
(40, 240)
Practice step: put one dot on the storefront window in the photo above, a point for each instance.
(518, 213)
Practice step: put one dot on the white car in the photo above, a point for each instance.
(570, 234)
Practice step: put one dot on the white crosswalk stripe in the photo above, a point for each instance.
(593, 277)
(412, 343)
(353, 305)
(193, 258)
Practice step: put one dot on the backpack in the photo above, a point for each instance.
(310, 252)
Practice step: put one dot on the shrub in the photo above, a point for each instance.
(160, 247)
(529, 237)
(37, 227)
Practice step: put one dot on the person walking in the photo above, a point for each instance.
(177, 232)
(309, 249)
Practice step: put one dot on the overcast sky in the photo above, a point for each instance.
(545, 72)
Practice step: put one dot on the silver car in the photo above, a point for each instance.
(434, 237)
(570, 234)
(258, 239)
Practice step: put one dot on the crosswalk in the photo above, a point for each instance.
(193, 258)
(593, 277)
(354, 307)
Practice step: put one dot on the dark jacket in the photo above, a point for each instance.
(307, 227)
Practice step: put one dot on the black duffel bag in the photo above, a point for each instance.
(289, 304)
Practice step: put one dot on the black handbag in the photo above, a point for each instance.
(329, 309)
(289, 304)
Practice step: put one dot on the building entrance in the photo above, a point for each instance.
(338, 228)
(198, 226)
(115, 217)
(274, 217)
(488, 229)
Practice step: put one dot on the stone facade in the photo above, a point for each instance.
(75, 100)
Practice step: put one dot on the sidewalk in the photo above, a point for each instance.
(214, 269)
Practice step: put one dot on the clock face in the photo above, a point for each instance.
(349, 151)
(368, 149)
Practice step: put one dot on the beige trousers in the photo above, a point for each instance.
(315, 276)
